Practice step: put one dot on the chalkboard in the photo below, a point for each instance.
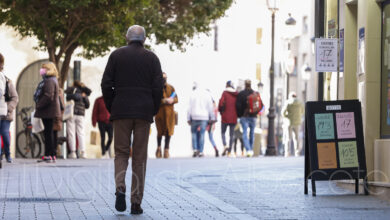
(334, 143)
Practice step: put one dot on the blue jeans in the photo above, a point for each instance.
(248, 122)
(198, 136)
(4, 132)
(211, 137)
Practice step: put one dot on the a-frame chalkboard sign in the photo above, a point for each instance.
(334, 143)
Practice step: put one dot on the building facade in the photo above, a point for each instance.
(363, 30)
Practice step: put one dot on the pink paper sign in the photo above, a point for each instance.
(345, 125)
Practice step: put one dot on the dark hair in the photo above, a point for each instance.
(248, 84)
(1, 59)
(77, 83)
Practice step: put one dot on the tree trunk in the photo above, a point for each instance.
(65, 65)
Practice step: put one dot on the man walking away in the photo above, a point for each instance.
(248, 105)
(200, 113)
(294, 112)
(165, 118)
(227, 108)
(132, 88)
(101, 116)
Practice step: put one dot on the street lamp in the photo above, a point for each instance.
(271, 148)
(306, 74)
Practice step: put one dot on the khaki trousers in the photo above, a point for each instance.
(123, 129)
(293, 135)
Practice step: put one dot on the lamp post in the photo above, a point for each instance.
(271, 148)
(306, 77)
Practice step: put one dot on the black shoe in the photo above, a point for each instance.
(225, 151)
(1, 165)
(120, 202)
(9, 159)
(136, 209)
(195, 154)
(200, 154)
(216, 153)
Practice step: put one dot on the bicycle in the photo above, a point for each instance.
(27, 143)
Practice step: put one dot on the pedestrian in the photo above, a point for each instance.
(78, 93)
(132, 88)
(57, 126)
(165, 118)
(11, 99)
(248, 106)
(294, 112)
(101, 116)
(210, 130)
(200, 113)
(227, 108)
(48, 107)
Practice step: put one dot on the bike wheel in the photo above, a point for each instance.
(38, 146)
(28, 144)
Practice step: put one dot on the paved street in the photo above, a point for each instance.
(206, 188)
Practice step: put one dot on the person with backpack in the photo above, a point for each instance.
(227, 109)
(11, 100)
(248, 106)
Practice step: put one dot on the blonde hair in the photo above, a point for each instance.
(51, 69)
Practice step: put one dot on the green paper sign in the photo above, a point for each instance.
(324, 126)
(348, 154)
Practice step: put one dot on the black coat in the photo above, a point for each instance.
(242, 104)
(132, 83)
(80, 103)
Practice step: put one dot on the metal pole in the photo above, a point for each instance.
(271, 151)
(77, 70)
(319, 32)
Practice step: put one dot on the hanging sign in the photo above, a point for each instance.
(334, 143)
(326, 55)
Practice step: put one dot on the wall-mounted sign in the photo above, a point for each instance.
(326, 55)
(362, 52)
(332, 30)
(341, 60)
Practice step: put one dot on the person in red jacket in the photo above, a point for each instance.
(102, 117)
(227, 108)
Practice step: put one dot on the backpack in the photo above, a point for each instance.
(254, 103)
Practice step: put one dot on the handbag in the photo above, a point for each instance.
(68, 111)
(37, 124)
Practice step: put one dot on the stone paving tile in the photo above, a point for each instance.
(207, 188)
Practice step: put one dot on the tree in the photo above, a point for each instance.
(62, 26)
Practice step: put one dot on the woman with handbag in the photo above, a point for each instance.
(165, 118)
(48, 109)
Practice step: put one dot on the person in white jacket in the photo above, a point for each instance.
(200, 113)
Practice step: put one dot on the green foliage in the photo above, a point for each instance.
(98, 25)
